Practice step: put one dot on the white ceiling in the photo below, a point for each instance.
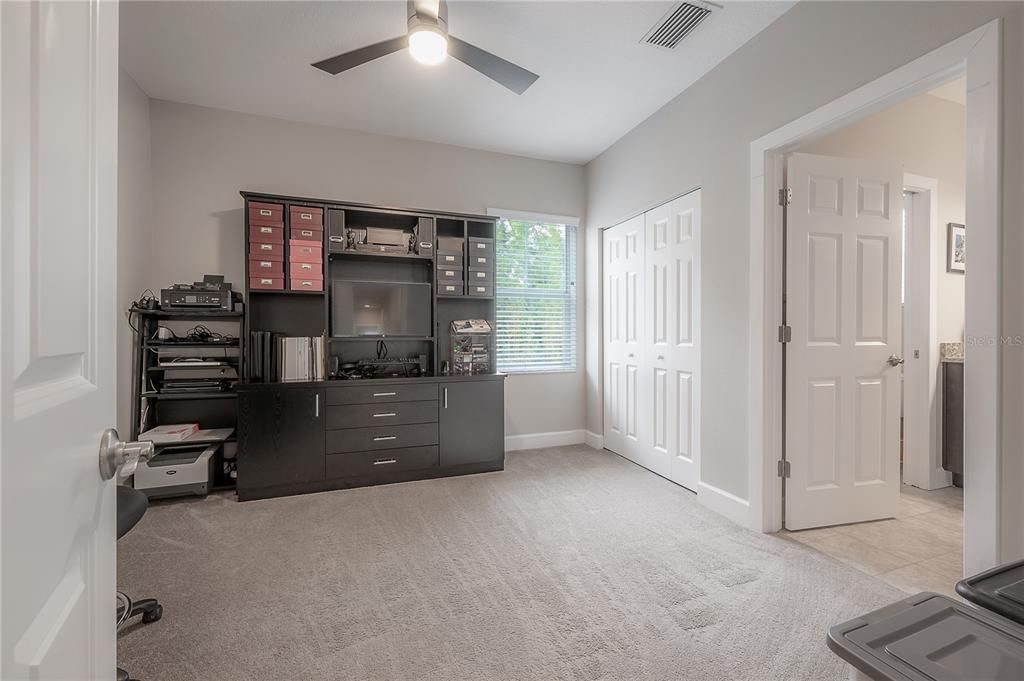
(596, 82)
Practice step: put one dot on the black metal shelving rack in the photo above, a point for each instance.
(151, 407)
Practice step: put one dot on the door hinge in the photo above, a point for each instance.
(785, 196)
(783, 468)
(785, 333)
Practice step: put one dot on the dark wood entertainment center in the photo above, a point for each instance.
(307, 436)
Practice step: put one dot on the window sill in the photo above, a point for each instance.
(537, 372)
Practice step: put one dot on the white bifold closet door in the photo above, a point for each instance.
(652, 339)
(623, 325)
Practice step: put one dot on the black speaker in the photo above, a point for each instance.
(425, 236)
(335, 230)
(333, 366)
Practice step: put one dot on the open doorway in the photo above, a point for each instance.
(920, 545)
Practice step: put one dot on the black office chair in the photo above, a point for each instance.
(131, 506)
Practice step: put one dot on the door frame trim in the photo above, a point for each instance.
(921, 412)
(978, 55)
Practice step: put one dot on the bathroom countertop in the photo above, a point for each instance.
(951, 352)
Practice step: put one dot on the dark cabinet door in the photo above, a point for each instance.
(280, 437)
(472, 422)
(953, 420)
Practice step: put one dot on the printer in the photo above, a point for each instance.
(177, 471)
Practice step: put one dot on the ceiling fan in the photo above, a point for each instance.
(429, 43)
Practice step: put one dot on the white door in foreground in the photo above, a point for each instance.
(842, 365)
(57, 374)
(672, 301)
(624, 395)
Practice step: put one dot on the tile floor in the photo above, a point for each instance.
(919, 550)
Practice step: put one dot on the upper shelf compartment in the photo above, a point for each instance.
(384, 234)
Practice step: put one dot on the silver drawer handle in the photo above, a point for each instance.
(384, 394)
(385, 438)
(381, 462)
(390, 413)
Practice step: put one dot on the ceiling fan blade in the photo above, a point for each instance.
(348, 60)
(515, 78)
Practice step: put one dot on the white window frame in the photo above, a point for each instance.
(568, 221)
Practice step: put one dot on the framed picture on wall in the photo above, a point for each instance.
(956, 248)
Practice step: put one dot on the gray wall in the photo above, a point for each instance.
(134, 241)
(812, 55)
(203, 157)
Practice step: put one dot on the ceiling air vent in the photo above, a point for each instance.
(677, 24)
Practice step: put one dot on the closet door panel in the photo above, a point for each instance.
(682, 355)
(623, 254)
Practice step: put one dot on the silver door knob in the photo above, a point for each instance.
(116, 454)
(895, 360)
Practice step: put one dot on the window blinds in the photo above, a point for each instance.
(535, 287)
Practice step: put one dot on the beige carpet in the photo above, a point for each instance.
(571, 564)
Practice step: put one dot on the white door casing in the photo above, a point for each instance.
(623, 321)
(58, 173)
(842, 291)
(672, 350)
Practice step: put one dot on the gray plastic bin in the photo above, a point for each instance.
(929, 637)
(1000, 590)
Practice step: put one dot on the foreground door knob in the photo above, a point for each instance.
(895, 360)
(114, 454)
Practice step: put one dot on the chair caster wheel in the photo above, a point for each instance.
(153, 615)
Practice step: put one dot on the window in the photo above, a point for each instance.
(535, 288)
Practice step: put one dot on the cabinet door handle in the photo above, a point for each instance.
(385, 438)
(382, 462)
(316, 406)
(446, 398)
(384, 394)
(390, 413)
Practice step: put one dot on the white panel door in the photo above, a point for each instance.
(842, 391)
(58, 121)
(624, 394)
(672, 353)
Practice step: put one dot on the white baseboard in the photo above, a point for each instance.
(727, 504)
(540, 440)
(593, 440)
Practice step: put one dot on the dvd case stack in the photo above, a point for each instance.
(276, 357)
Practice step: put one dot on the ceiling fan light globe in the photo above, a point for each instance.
(428, 46)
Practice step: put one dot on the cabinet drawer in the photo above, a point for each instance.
(480, 262)
(375, 394)
(481, 247)
(315, 234)
(449, 289)
(381, 437)
(477, 277)
(266, 213)
(305, 284)
(266, 251)
(382, 461)
(301, 216)
(266, 233)
(393, 413)
(449, 276)
(259, 267)
(306, 270)
(270, 283)
(449, 261)
(480, 290)
(305, 251)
